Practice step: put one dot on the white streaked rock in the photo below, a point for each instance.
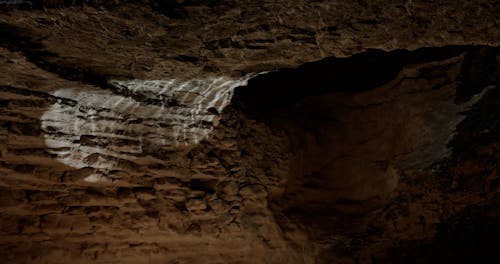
(142, 118)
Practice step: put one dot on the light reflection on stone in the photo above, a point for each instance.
(141, 118)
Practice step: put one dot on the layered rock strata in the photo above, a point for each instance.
(121, 142)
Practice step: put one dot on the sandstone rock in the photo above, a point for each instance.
(230, 188)
(253, 192)
(195, 204)
(124, 136)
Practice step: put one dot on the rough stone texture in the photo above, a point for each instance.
(144, 120)
(226, 37)
(377, 166)
(165, 205)
(336, 175)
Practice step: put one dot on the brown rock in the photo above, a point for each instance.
(195, 204)
(371, 138)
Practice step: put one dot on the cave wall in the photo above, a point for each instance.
(383, 163)
(298, 167)
(159, 204)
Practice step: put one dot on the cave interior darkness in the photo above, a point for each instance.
(282, 99)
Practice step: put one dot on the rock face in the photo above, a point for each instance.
(95, 128)
(352, 146)
(121, 140)
(357, 158)
(81, 180)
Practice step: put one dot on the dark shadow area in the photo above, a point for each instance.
(470, 237)
(343, 128)
(481, 68)
(7, 5)
(29, 43)
(360, 72)
(177, 9)
(480, 127)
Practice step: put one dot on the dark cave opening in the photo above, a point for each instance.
(352, 139)
(360, 72)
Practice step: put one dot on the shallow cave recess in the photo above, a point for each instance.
(359, 128)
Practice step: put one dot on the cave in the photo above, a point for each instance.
(332, 108)
(186, 131)
(352, 144)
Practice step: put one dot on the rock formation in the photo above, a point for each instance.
(249, 131)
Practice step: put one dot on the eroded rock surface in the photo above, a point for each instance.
(160, 203)
(121, 142)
